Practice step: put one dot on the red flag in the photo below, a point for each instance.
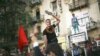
(22, 39)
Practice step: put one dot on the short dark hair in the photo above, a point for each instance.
(47, 19)
(73, 44)
(73, 14)
(55, 48)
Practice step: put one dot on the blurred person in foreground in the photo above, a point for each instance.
(76, 50)
(34, 40)
(54, 50)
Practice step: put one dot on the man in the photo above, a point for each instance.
(75, 23)
(34, 41)
(76, 50)
(89, 48)
(49, 32)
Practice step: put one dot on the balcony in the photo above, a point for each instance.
(78, 5)
(35, 2)
(91, 25)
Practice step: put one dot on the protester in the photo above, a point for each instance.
(89, 48)
(54, 49)
(76, 50)
(34, 42)
(94, 47)
(49, 32)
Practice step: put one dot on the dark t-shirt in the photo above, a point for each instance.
(51, 37)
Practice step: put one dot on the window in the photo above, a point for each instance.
(38, 14)
(78, 4)
(54, 5)
(60, 5)
(99, 4)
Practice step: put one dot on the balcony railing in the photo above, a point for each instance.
(78, 5)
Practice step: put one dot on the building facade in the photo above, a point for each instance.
(58, 8)
(87, 12)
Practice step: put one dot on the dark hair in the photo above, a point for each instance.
(47, 19)
(73, 14)
(73, 44)
(55, 48)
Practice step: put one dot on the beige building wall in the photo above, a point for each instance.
(94, 10)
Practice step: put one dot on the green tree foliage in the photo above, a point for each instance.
(12, 13)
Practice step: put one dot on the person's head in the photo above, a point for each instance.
(73, 14)
(48, 22)
(73, 45)
(54, 50)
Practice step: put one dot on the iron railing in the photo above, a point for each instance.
(78, 4)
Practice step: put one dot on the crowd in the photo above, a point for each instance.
(52, 47)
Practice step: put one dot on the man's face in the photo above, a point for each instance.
(48, 23)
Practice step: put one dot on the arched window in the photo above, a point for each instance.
(38, 14)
